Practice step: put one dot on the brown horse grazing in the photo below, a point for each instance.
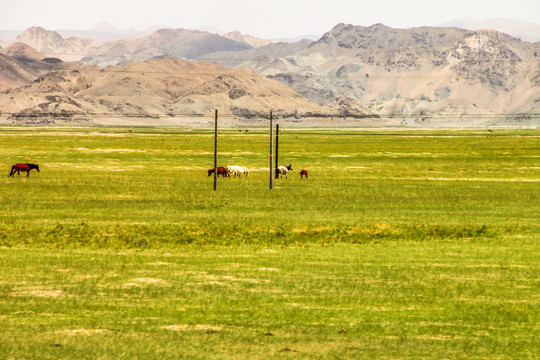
(23, 167)
(302, 173)
(220, 171)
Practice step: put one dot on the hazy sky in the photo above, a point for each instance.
(267, 19)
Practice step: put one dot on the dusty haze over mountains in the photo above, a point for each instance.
(263, 19)
(352, 75)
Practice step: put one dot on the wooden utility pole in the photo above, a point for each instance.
(215, 152)
(277, 145)
(271, 150)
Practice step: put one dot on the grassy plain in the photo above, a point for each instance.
(401, 244)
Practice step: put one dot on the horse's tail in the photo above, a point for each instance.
(12, 171)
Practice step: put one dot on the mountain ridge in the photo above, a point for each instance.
(422, 74)
(161, 88)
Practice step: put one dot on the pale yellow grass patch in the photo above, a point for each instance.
(210, 283)
(195, 152)
(239, 153)
(146, 281)
(434, 323)
(37, 291)
(267, 251)
(232, 278)
(522, 301)
(373, 308)
(177, 255)
(266, 291)
(119, 196)
(258, 169)
(438, 337)
(470, 179)
(299, 305)
(268, 269)
(58, 133)
(87, 332)
(458, 278)
(192, 327)
(112, 150)
(475, 266)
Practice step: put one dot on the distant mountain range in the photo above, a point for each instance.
(428, 76)
(421, 76)
(104, 32)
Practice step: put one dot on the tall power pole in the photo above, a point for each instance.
(215, 153)
(277, 146)
(271, 150)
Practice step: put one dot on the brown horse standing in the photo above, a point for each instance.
(17, 168)
(220, 171)
(303, 172)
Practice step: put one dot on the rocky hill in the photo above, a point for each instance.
(52, 44)
(248, 39)
(20, 65)
(177, 43)
(419, 76)
(164, 88)
(268, 59)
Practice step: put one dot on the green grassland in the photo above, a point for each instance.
(401, 244)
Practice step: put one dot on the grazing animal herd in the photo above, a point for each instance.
(238, 171)
(228, 171)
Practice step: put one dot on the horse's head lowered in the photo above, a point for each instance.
(33, 166)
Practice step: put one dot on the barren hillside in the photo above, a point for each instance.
(248, 39)
(52, 44)
(20, 65)
(162, 88)
(177, 43)
(421, 76)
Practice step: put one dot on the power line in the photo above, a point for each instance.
(365, 76)
(267, 58)
(263, 116)
(263, 58)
